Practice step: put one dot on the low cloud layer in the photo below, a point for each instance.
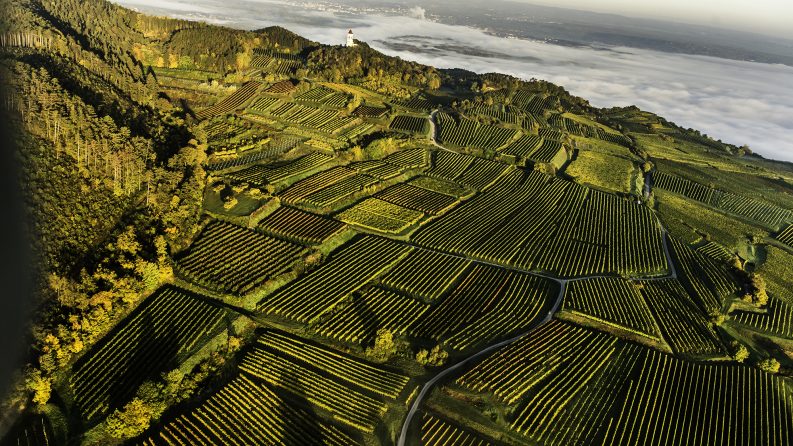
(737, 102)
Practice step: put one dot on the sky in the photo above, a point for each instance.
(738, 102)
(772, 17)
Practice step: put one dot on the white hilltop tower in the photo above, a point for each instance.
(350, 38)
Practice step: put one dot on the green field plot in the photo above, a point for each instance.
(439, 185)
(270, 173)
(488, 303)
(684, 325)
(300, 226)
(417, 198)
(418, 103)
(320, 290)
(676, 402)
(231, 258)
(555, 226)
(358, 320)
(410, 124)
(777, 270)
(282, 87)
(162, 332)
(248, 410)
(612, 302)
(425, 274)
(687, 219)
(380, 215)
(436, 431)
(766, 214)
(603, 171)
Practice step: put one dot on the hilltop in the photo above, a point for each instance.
(247, 237)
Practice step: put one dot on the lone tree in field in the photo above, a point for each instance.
(384, 346)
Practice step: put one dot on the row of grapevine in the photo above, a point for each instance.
(766, 214)
(271, 173)
(559, 382)
(708, 281)
(524, 146)
(684, 325)
(300, 226)
(31, 430)
(343, 401)
(676, 402)
(481, 173)
(417, 198)
(687, 188)
(166, 328)
(527, 221)
(320, 290)
(786, 236)
(335, 192)
(464, 132)
(436, 431)
(314, 183)
(376, 168)
(613, 302)
(247, 411)
(488, 303)
(232, 102)
(504, 113)
(410, 158)
(275, 147)
(449, 165)
(411, 124)
(352, 371)
(370, 111)
(425, 274)
(231, 258)
(358, 320)
(280, 88)
(777, 319)
(380, 215)
(716, 252)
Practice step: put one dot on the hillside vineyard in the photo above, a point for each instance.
(249, 238)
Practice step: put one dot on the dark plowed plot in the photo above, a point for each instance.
(231, 258)
(413, 197)
(303, 227)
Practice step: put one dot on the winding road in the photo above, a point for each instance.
(427, 387)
